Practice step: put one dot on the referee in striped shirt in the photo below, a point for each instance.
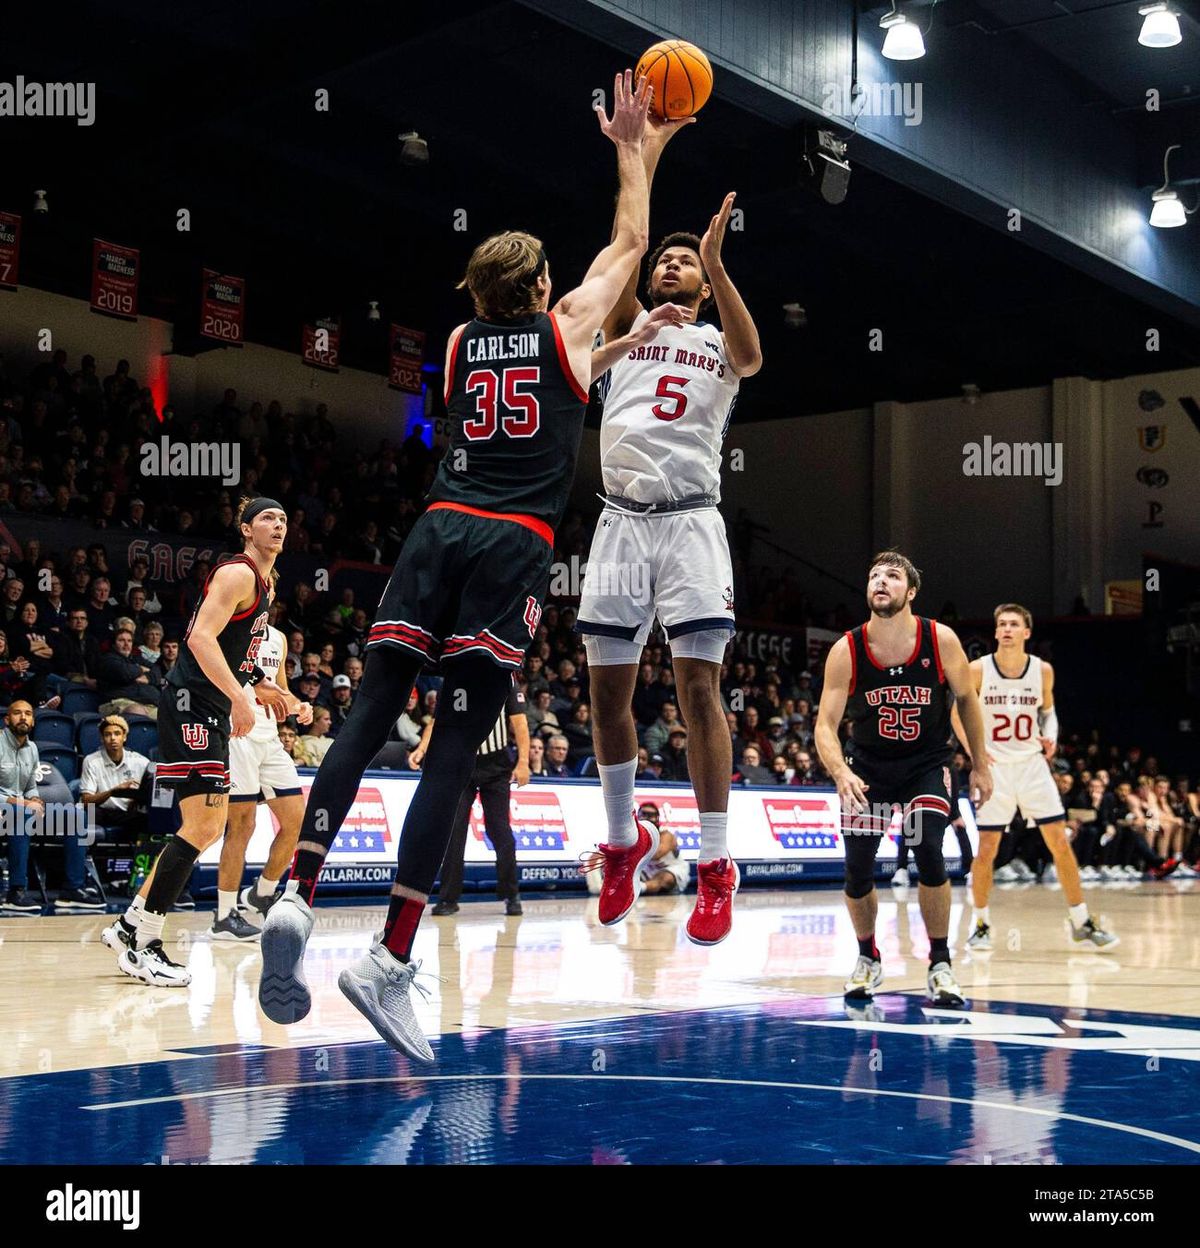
(492, 780)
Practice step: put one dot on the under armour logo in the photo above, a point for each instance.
(895, 671)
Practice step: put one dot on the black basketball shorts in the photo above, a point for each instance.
(193, 749)
(921, 789)
(466, 582)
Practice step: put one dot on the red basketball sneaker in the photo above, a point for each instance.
(716, 883)
(622, 874)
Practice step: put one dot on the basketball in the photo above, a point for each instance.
(681, 77)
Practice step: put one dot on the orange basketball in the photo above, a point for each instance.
(681, 77)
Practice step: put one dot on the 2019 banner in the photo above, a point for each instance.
(115, 279)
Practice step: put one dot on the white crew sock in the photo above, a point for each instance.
(134, 910)
(265, 887)
(150, 927)
(713, 827)
(1079, 913)
(226, 903)
(617, 781)
(981, 915)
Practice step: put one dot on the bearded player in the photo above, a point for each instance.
(201, 709)
(1016, 690)
(894, 678)
(660, 547)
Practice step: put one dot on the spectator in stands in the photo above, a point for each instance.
(807, 772)
(139, 577)
(23, 809)
(101, 612)
(150, 646)
(116, 781)
(314, 744)
(29, 641)
(674, 755)
(578, 731)
(354, 635)
(751, 770)
(167, 660)
(79, 653)
(781, 770)
(119, 387)
(659, 731)
(340, 698)
(54, 608)
(654, 768)
(308, 689)
(542, 720)
(11, 597)
(537, 756)
(15, 675)
(777, 735)
(288, 738)
(125, 677)
(556, 756)
(353, 668)
(752, 734)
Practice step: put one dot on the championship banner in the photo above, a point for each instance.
(406, 349)
(10, 249)
(222, 307)
(320, 344)
(115, 279)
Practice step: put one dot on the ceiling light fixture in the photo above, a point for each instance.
(1161, 27)
(903, 41)
(1168, 209)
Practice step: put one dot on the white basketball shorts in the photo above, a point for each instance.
(1025, 785)
(260, 768)
(674, 564)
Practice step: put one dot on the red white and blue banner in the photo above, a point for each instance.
(115, 272)
(10, 249)
(406, 354)
(223, 307)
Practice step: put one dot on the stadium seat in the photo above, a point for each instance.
(143, 735)
(76, 700)
(54, 728)
(66, 761)
(87, 733)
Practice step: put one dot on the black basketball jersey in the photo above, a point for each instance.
(899, 712)
(239, 640)
(516, 416)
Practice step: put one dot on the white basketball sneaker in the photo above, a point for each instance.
(867, 976)
(152, 966)
(377, 985)
(283, 994)
(943, 987)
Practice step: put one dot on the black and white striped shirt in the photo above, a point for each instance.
(497, 740)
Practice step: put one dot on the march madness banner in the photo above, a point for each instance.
(222, 307)
(10, 249)
(115, 279)
(319, 348)
(406, 355)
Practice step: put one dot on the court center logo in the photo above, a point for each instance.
(49, 99)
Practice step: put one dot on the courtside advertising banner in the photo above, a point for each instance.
(223, 307)
(115, 279)
(406, 354)
(774, 834)
(320, 343)
(10, 249)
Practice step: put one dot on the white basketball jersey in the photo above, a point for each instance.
(1010, 710)
(270, 656)
(667, 406)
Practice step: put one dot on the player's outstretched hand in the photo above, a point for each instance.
(631, 106)
(665, 314)
(241, 718)
(851, 792)
(980, 785)
(661, 130)
(714, 236)
(303, 712)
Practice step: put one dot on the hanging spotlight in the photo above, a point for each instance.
(1161, 27)
(39, 202)
(413, 149)
(373, 310)
(903, 41)
(1168, 209)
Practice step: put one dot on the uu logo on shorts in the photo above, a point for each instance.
(533, 613)
(195, 736)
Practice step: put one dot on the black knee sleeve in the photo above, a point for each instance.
(470, 701)
(860, 863)
(925, 831)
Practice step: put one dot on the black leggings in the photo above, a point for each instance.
(471, 699)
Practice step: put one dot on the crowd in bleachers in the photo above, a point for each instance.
(80, 639)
